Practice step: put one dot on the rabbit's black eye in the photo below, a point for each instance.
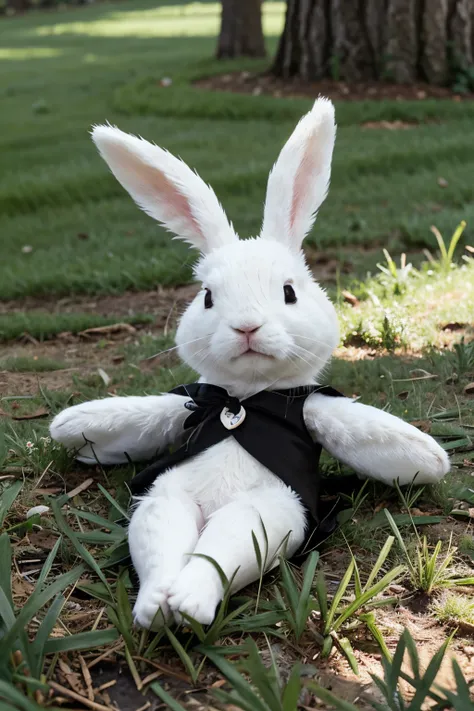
(290, 296)
(208, 302)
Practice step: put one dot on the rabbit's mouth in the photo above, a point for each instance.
(251, 352)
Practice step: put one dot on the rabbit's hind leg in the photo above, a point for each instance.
(227, 539)
(163, 531)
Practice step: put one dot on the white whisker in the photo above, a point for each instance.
(313, 355)
(168, 350)
(314, 340)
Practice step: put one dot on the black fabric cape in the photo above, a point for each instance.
(273, 432)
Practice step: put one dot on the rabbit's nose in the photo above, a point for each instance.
(246, 329)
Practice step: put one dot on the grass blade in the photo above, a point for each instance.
(37, 600)
(5, 567)
(183, 655)
(8, 497)
(234, 678)
(17, 699)
(368, 594)
(289, 585)
(369, 619)
(380, 561)
(171, 703)
(401, 542)
(322, 596)
(455, 239)
(304, 602)
(346, 648)
(44, 631)
(291, 693)
(217, 567)
(6, 608)
(424, 686)
(412, 653)
(48, 564)
(338, 597)
(83, 552)
(329, 698)
(114, 503)
(81, 640)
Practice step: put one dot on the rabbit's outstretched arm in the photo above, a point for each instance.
(112, 429)
(373, 442)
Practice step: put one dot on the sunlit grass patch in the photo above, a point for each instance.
(454, 608)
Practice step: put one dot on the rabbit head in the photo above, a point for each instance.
(260, 320)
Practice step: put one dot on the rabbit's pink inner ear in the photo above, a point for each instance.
(302, 189)
(310, 183)
(155, 192)
(175, 205)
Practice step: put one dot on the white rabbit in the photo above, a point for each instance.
(241, 334)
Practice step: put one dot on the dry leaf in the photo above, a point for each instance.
(71, 677)
(469, 389)
(443, 183)
(350, 298)
(403, 395)
(40, 412)
(43, 539)
(423, 425)
(111, 328)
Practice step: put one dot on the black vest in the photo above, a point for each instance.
(270, 427)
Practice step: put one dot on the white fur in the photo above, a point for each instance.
(211, 504)
(165, 188)
(299, 180)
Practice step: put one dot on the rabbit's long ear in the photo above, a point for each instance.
(165, 188)
(299, 180)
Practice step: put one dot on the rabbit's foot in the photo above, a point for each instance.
(196, 592)
(151, 610)
(89, 427)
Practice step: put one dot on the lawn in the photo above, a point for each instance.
(90, 289)
(63, 72)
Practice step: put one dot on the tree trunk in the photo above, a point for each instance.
(405, 41)
(19, 6)
(241, 33)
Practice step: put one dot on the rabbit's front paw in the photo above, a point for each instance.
(90, 428)
(87, 420)
(434, 461)
(196, 592)
(151, 610)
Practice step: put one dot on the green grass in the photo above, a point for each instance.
(331, 607)
(25, 364)
(43, 325)
(454, 609)
(63, 71)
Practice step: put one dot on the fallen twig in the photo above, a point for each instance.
(77, 697)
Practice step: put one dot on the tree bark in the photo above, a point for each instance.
(405, 41)
(241, 33)
(17, 5)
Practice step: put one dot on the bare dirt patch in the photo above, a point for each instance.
(84, 353)
(257, 84)
(158, 302)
